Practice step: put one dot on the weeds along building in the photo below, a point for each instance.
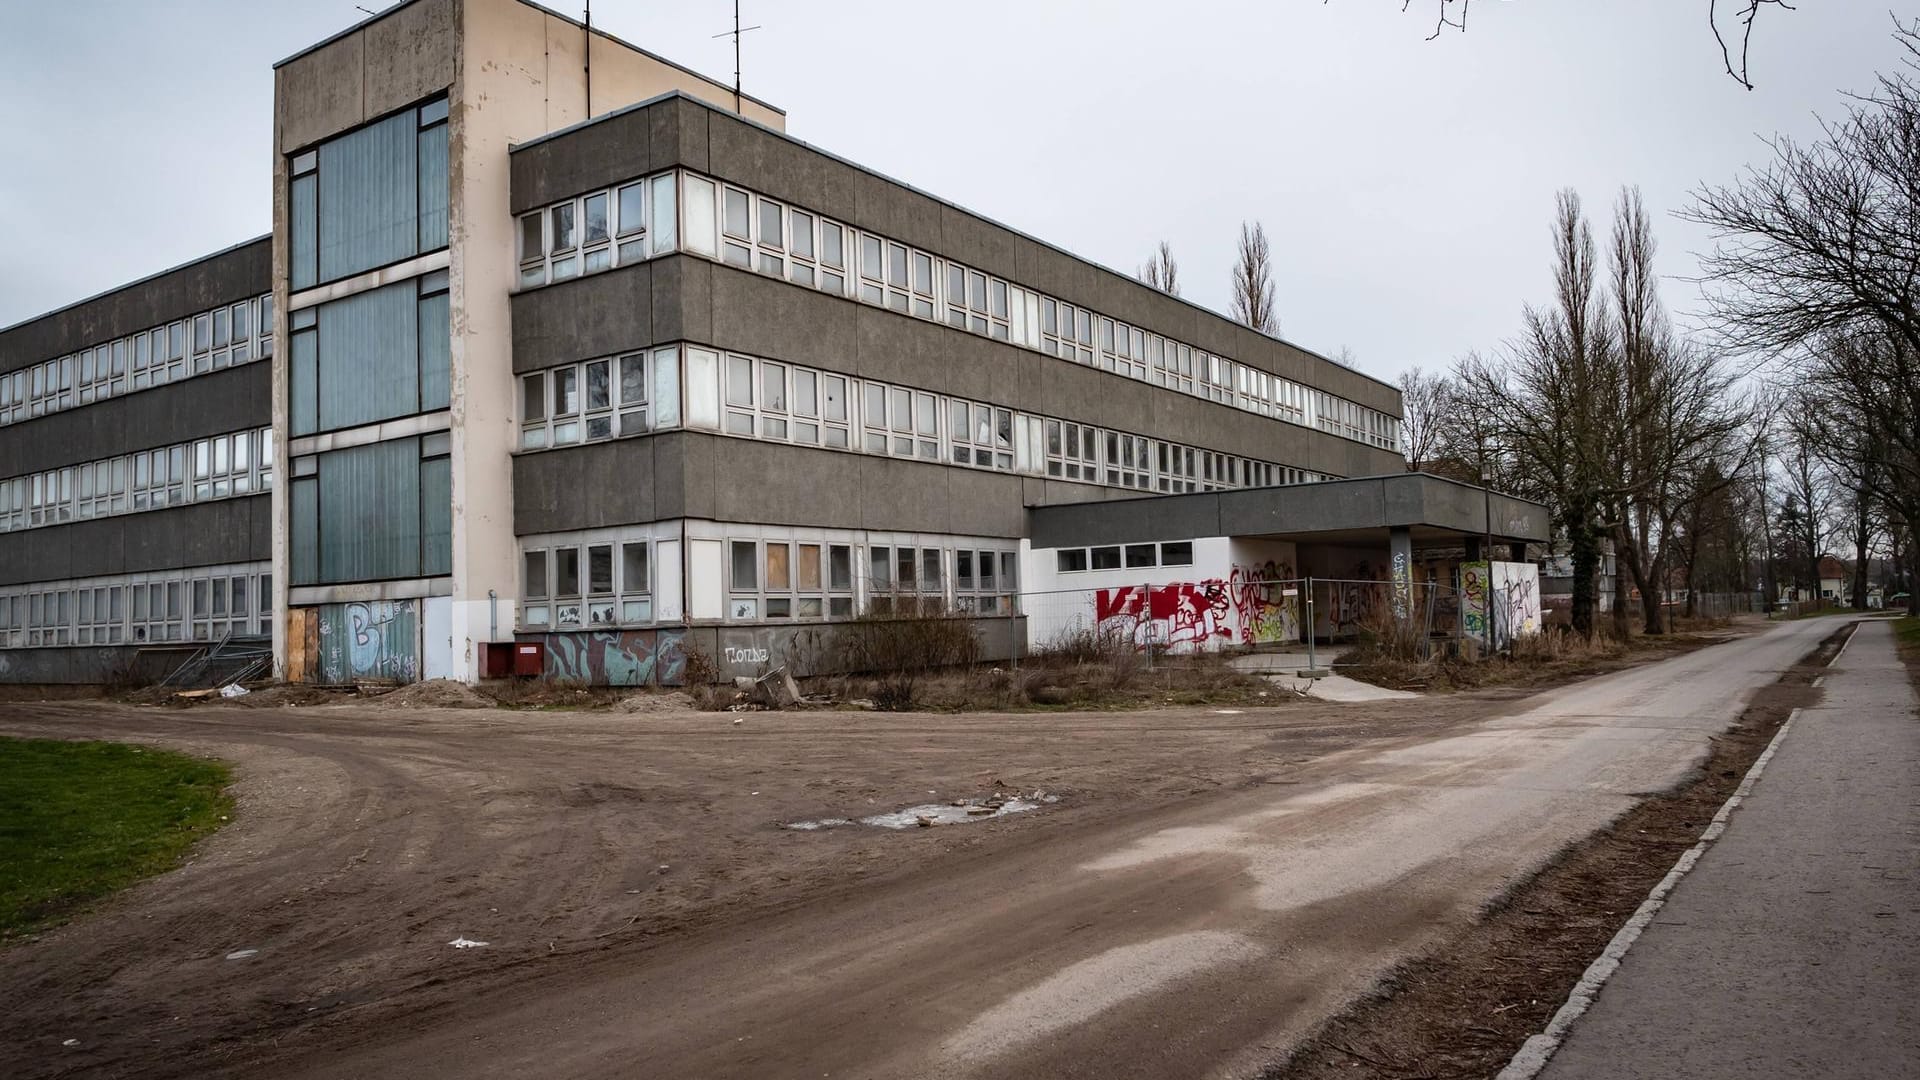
(557, 342)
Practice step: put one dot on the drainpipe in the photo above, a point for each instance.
(493, 616)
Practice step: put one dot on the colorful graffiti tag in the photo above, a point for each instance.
(1500, 601)
(1184, 613)
(373, 640)
(1252, 607)
(617, 657)
(1261, 602)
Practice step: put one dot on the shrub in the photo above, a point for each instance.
(896, 647)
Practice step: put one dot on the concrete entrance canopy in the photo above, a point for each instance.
(1362, 512)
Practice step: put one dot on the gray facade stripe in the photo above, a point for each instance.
(1424, 503)
(237, 273)
(685, 297)
(219, 402)
(234, 530)
(713, 477)
(676, 129)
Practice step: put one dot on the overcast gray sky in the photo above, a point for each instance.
(1406, 185)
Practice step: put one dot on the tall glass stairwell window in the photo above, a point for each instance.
(369, 198)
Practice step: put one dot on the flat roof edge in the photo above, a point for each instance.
(622, 42)
(135, 283)
(942, 200)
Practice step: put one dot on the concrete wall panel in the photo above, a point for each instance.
(217, 403)
(197, 534)
(238, 273)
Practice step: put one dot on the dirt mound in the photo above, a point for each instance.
(433, 694)
(657, 701)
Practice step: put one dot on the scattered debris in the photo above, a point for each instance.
(466, 943)
(927, 815)
(71, 1042)
(233, 690)
(242, 954)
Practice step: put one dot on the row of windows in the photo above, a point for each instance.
(604, 228)
(614, 227)
(775, 579)
(223, 337)
(774, 400)
(609, 578)
(1124, 556)
(212, 468)
(199, 604)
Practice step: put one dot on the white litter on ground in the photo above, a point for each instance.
(466, 943)
(233, 690)
(927, 815)
(242, 954)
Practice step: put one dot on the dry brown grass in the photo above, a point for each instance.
(1554, 656)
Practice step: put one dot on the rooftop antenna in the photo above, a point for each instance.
(368, 10)
(586, 46)
(735, 34)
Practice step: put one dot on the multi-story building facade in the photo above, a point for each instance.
(570, 346)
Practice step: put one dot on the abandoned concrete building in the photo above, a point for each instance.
(556, 344)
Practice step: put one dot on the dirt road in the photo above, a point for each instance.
(1209, 886)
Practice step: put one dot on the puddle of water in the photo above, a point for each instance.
(823, 823)
(930, 814)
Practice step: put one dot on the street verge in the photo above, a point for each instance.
(1466, 1007)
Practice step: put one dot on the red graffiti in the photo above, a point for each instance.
(1181, 613)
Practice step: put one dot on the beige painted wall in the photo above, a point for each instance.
(513, 72)
(520, 74)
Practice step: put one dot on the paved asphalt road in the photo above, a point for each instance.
(1200, 942)
(1793, 948)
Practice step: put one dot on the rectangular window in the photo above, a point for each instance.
(1140, 555)
(633, 567)
(746, 566)
(1177, 554)
(371, 197)
(1070, 560)
(1105, 558)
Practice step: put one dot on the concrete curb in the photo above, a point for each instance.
(1539, 1049)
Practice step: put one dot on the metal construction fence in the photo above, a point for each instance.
(1310, 619)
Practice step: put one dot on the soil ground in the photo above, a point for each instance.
(1464, 1009)
(372, 833)
(368, 835)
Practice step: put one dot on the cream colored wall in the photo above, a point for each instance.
(520, 74)
(513, 72)
(549, 55)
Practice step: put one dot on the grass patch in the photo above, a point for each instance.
(1908, 631)
(81, 819)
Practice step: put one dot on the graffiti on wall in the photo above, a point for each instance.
(1355, 602)
(1252, 607)
(1499, 601)
(1185, 613)
(1261, 602)
(370, 640)
(617, 657)
(1402, 578)
(1473, 600)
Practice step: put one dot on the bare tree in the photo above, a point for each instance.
(1818, 261)
(1253, 281)
(1161, 272)
(1682, 427)
(1738, 14)
(1548, 404)
(1426, 409)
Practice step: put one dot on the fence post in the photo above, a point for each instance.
(1146, 620)
(1312, 663)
